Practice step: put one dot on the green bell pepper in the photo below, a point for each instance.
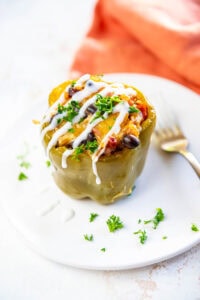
(118, 171)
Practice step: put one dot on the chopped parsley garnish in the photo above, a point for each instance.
(114, 223)
(93, 216)
(105, 105)
(159, 217)
(81, 120)
(103, 249)
(88, 237)
(77, 151)
(139, 221)
(194, 227)
(73, 83)
(25, 164)
(133, 109)
(22, 176)
(61, 108)
(91, 146)
(71, 110)
(48, 163)
(59, 120)
(164, 237)
(142, 235)
(71, 130)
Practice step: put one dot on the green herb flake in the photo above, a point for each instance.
(61, 108)
(164, 237)
(73, 83)
(77, 151)
(194, 227)
(91, 146)
(72, 130)
(103, 249)
(104, 105)
(133, 109)
(159, 217)
(25, 164)
(48, 163)
(81, 120)
(139, 221)
(72, 110)
(21, 156)
(114, 223)
(22, 176)
(142, 235)
(93, 216)
(89, 238)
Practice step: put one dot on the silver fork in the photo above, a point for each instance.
(170, 137)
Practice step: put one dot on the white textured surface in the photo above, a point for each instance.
(37, 43)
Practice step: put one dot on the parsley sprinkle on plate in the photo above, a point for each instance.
(159, 217)
(48, 163)
(142, 235)
(22, 176)
(194, 227)
(88, 237)
(93, 216)
(114, 223)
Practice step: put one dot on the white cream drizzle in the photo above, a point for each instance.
(78, 96)
(82, 79)
(91, 87)
(79, 139)
(53, 108)
(122, 108)
(58, 134)
(67, 215)
(47, 209)
(52, 125)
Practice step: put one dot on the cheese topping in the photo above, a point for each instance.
(65, 114)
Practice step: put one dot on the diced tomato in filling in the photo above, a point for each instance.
(131, 101)
(111, 145)
(143, 109)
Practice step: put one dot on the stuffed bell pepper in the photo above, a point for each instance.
(96, 134)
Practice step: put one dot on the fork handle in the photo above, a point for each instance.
(192, 160)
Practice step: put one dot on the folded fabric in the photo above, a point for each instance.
(144, 36)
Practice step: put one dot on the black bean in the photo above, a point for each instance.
(69, 146)
(91, 137)
(83, 142)
(130, 141)
(91, 109)
(71, 91)
(89, 83)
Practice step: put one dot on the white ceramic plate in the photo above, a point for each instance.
(54, 224)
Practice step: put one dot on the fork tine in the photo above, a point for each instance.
(166, 119)
(167, 125)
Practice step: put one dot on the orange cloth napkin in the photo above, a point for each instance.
(144, 36)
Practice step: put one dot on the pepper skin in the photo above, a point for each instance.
(118, 172)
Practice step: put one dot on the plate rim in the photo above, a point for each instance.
(121, 266)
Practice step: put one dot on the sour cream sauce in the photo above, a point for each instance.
(91, 87)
